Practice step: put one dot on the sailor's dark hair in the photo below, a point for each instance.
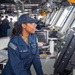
(18, 30)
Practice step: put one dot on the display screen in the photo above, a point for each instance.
(42, 36)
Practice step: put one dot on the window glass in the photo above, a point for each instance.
(67, 11)
(53, 17)
(73, 24)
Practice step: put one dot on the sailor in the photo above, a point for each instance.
(23, 49)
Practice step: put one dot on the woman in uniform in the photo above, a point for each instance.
(23, 49)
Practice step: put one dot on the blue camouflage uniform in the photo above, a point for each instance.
(21, 56)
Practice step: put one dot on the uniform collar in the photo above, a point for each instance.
(21, 41)
(30, 39)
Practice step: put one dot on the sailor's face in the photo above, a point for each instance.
(30, 27)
